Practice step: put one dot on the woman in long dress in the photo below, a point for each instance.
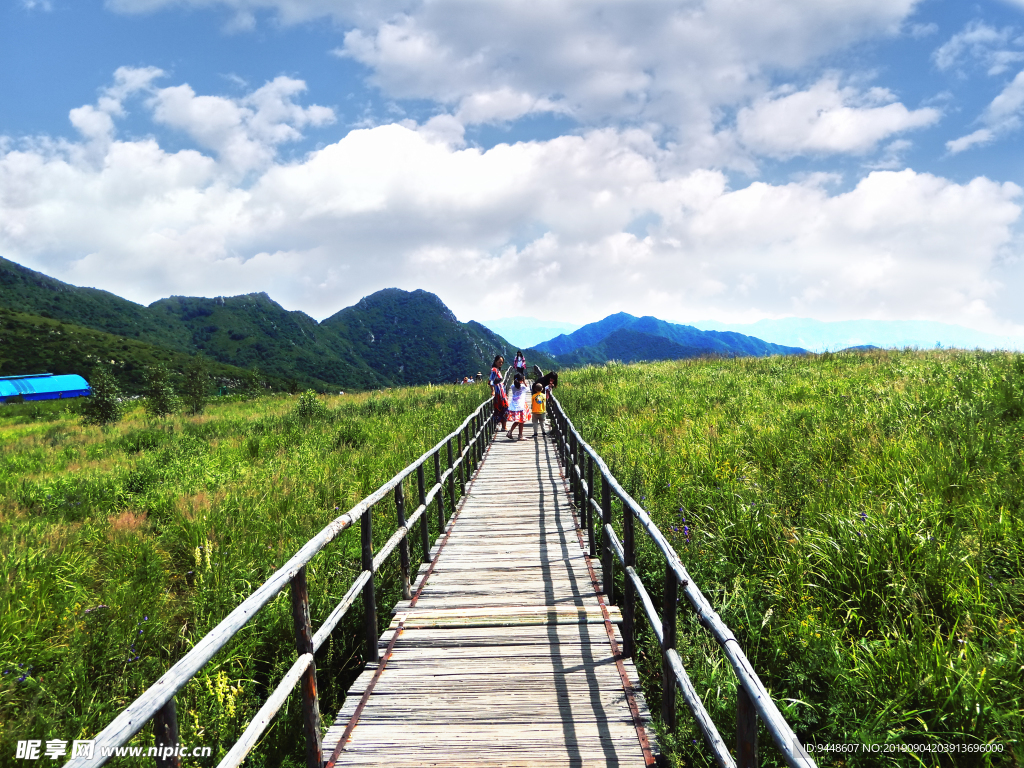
(498, 389)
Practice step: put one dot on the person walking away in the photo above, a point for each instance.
(519, 363)
(517, 406)
(498, 390)
(539, 408)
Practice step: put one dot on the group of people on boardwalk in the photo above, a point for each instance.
(522, 403)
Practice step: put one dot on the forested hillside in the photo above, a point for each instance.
(392, 337)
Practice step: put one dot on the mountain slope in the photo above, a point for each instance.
(413, 338)
(821, 336)
(35, 344)
(254, 330)
(526, 332)
(34, 293)
(392, 337)
(629, 346)
(591, 342)
(586, 336)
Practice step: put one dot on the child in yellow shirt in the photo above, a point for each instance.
(540, 410)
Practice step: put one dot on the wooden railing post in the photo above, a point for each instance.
(607, 556)
(574, 447)
(563, 441)
(590, 506)
(556, 420)
(668, 628)
(570, 465)
(165, 734)
(577, 463)
(746, 730)
(451, 478)
(421, 486)
(304, 645)
(478, 433)
(369, 597)
(629, 598)
(403, 545)
(462, 465)
(440, 492)
(580, 466)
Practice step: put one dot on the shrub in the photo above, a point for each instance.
(196, 389)
(254, 383)
(310, 407)
(160, 398)
(104, 404)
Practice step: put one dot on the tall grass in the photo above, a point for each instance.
(121, 548)
(856, 519)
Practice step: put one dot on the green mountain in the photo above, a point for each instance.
(390, 338)
(413, 337)
(254, 330)
(34, 293)
(35, 344)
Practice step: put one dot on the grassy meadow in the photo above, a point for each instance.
(121, 547)
(856, 519)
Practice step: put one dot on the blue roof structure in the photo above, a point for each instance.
(43, 386)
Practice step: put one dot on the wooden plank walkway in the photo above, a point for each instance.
(504, 656)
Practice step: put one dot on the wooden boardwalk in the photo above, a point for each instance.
(506, 655)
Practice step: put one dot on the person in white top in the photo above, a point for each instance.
(518, 406)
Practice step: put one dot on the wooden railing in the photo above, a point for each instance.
(752, 700)
(464, 450)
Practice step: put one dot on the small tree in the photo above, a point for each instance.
(160, 398)
(196, 389)
(254, 384)
(310, 407)
(104, 405)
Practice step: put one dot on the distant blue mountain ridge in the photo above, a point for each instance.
(526, 332)
(628, 338)
(829, 336)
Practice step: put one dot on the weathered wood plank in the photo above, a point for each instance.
(502, 657)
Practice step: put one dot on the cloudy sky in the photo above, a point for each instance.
(692, 159)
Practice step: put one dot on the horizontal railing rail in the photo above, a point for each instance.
(753, 701)
(157, 703)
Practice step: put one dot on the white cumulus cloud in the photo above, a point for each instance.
(826, 118)
(1002, 116)
(996, 49)
(679, 65)
(244, 132)
(542, 225)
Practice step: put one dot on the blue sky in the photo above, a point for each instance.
(729, 159)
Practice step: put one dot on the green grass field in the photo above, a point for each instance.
(856, 519)
(121, 548)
